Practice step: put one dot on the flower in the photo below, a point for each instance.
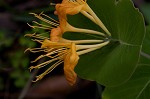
(58, 53)
(73, 7)
(59, 50)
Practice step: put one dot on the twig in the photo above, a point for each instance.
(145, 55)
(28, 84)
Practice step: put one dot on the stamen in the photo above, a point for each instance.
(50, 18)
(43, 64)
(36, 36)
(30, 35)
(39, 41)
(40, 37)
(41, 24)
(41, 56)
(59, 51)
(52, 4)
(53, 66)
(48, 50)
(32, 26)
(34, 50)
(60, 54)
(45, 20)
(48, 70)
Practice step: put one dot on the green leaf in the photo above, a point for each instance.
(113, 64)
(134, 88)
(138, 87)
(145, 94)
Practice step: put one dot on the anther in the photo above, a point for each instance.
(52, 4)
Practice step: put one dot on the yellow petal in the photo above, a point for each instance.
(70, 62)
(68, 7)
(56, 34)
(49, 44)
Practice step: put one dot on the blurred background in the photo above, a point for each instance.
(15, 78)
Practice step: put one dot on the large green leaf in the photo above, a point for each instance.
(115, 63)
(138, 87)
(133, 88)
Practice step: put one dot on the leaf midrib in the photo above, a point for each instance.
(143, 89)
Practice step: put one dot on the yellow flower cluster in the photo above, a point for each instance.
(60, 50)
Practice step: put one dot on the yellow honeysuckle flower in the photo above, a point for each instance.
(58, 28)
(58, 53)
(60, 50)
(72, 7)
